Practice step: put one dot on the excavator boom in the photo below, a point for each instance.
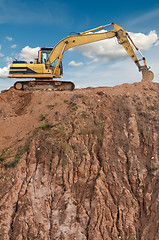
(46, 68)
(76, 40)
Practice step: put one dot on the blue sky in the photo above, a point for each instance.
(28, 24)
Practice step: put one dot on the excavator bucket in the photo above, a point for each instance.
(147, 75)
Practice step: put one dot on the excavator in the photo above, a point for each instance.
(48, 65)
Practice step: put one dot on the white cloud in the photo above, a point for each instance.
(4, 72)
(75, 64)
(9, 38)
(109, 49)
(1, 55)
(143, 41)
(28, 53)
(93, 61)
(0, 46)
(14, 46)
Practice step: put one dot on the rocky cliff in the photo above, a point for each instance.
(81, 164)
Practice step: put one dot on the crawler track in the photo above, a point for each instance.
(44, 85)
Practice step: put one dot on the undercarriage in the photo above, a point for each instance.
(44, 85)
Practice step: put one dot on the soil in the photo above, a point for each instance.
(81, 164)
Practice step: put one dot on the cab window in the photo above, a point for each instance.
(44, 56)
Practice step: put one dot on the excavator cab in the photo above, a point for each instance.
(43, 54)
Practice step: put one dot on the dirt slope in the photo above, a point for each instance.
(80, 165)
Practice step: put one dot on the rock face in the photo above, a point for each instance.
(80, 165)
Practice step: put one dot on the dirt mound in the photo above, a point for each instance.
(81, 164)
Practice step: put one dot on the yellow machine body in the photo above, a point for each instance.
(48, 65)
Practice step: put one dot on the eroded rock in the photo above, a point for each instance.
(80, 165)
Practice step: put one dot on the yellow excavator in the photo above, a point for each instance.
(48, 65)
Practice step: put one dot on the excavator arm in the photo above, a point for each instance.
(91, 36)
